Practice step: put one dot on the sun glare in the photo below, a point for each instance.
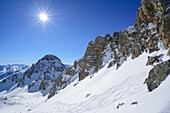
(43, 17)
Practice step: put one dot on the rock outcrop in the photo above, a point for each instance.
(151, 26)
(154, 59)
(157, 74)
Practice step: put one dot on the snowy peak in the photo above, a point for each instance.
(42, 75)
(49, 61)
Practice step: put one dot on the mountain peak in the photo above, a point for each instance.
(50, 57)
(41, 76)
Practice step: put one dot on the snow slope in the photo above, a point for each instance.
(98, 93)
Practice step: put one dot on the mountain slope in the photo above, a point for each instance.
(151, 26)
(105, 90)
(101, 93)
(127, 72)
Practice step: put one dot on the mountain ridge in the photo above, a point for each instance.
(152, 25)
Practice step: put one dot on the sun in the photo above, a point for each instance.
(43, 17)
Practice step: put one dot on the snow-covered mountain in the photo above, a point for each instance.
(39, 77)
(10, 75)
(42, 75)
(127, 72)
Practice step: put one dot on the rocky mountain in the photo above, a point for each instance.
(42, 75)
(39, 77)
(10, 75)
(152, 27)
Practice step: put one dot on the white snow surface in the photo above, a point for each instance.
(151, 25)
(131, 29)
(100, 93)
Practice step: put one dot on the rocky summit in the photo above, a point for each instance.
(152, 25)
(42, 75)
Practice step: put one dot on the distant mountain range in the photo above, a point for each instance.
(6, 70)
(38, 77)
(10, 75)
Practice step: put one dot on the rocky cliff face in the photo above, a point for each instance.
(157, 12)
(152, 25)
(42, 75)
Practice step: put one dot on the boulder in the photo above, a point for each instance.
(157, 75)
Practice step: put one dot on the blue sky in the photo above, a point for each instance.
(71, 25)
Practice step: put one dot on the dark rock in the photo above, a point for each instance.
(87, 95)
(154, 59)
(91, 76)
(168, 52)
(5, 98)
(50, 57)
(76, 84)
(29, 110)
(120, 104)
(82, 75)
(111, 64)
(4, 81)
(134, 103)
(157, 74)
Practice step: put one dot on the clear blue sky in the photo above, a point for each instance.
(71, 25)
